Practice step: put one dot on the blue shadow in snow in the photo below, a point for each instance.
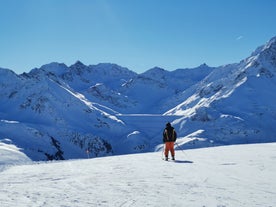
(184, 161)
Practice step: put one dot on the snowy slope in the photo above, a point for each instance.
(45, 117)
(221, 176)
(11, 155)
(234, 103)
(58, 112)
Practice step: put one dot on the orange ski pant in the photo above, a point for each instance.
(169, 146)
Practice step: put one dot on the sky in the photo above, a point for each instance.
(137, 34)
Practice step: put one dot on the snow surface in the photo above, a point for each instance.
(229, 176)
(11, 155)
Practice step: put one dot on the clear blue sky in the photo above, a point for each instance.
(138, 34)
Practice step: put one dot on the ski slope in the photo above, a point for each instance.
(229, 176)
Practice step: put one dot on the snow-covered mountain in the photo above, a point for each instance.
(62, 112)
(234, 103)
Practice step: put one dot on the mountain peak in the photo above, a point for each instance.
(78, 63)
(54, 67)
(78, 67)
(155, 69)
(4, 71)
(112, 69)
(267, 53)
(204, 65)
(272, 40)
(6, 74)
(270, 45)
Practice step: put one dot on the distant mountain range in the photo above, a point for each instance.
(63, 112)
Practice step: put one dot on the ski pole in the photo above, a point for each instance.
(87, 152)
(181, 149)
(163, 151)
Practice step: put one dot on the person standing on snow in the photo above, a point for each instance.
(169, 137)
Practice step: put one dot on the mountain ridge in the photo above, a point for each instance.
(59, 111)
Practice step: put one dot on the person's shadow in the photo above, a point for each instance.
(184, 161)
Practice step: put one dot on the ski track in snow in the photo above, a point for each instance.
(221, 176)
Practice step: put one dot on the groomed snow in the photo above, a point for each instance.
(234, 176)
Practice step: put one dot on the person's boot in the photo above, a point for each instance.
(166, 158)
(173, 158)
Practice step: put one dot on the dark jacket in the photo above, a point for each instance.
(169, 134)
